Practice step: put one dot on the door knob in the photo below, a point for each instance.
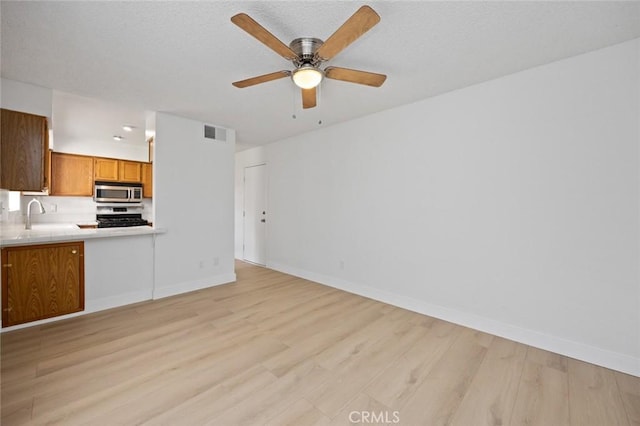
(263, 220)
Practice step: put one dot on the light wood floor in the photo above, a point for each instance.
(275, 349)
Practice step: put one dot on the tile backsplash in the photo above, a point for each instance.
(61, 209)
(67, 210)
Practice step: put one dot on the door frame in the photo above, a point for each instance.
(244, 210)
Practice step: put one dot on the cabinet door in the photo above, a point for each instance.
(147, 180)
(23, 151)
(71, 175)
(130, 171)
(105, 168)
(41, 281)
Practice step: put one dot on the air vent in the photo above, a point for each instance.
(215, 133)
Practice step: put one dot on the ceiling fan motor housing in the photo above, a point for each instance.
(305, 48)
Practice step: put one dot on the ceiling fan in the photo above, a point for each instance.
(307, 54)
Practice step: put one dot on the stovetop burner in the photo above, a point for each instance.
(120, 220)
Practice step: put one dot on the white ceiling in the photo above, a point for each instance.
(181, 57)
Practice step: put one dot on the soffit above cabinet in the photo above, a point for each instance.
(87, 126)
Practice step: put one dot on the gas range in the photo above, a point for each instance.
(117, 221)
(117, 217)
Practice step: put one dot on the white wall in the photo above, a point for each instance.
(194, 201)
(247, 158)
(86, 126)
(19, 96)
(510, 206)
(118, 271)
(24, 97)
(102, 149)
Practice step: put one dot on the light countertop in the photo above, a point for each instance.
(42, 233)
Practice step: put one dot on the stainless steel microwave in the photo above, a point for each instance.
(117, 192)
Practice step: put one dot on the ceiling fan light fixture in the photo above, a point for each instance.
(308, 53)
(307, 76)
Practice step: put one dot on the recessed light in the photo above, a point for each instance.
(127, 128)
(118, 138)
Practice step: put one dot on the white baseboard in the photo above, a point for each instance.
(602, 357)
(187, 286)
(133, 297)
(44, 321)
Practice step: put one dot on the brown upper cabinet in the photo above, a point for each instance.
(117, 170)
(23, 151)
(129, 171)
(147, 180)
(105, 169)
(71, 175)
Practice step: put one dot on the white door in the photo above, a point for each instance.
(255, 214)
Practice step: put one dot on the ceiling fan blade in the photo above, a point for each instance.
(355, 76)
(247, 23)
(359, 23)
(308, 98)
(261, 79)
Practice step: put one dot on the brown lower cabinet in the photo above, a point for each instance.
(42, 281)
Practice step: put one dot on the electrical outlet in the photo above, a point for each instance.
(341, 264)
(216, 261)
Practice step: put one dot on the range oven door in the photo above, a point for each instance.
(116, 192)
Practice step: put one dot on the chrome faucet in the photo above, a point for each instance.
(28, 224)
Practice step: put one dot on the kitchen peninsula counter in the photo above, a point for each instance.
(118, 262)
(16, 235)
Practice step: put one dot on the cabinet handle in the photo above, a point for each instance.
(8, 309)
(6, 265)
(74, 251)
